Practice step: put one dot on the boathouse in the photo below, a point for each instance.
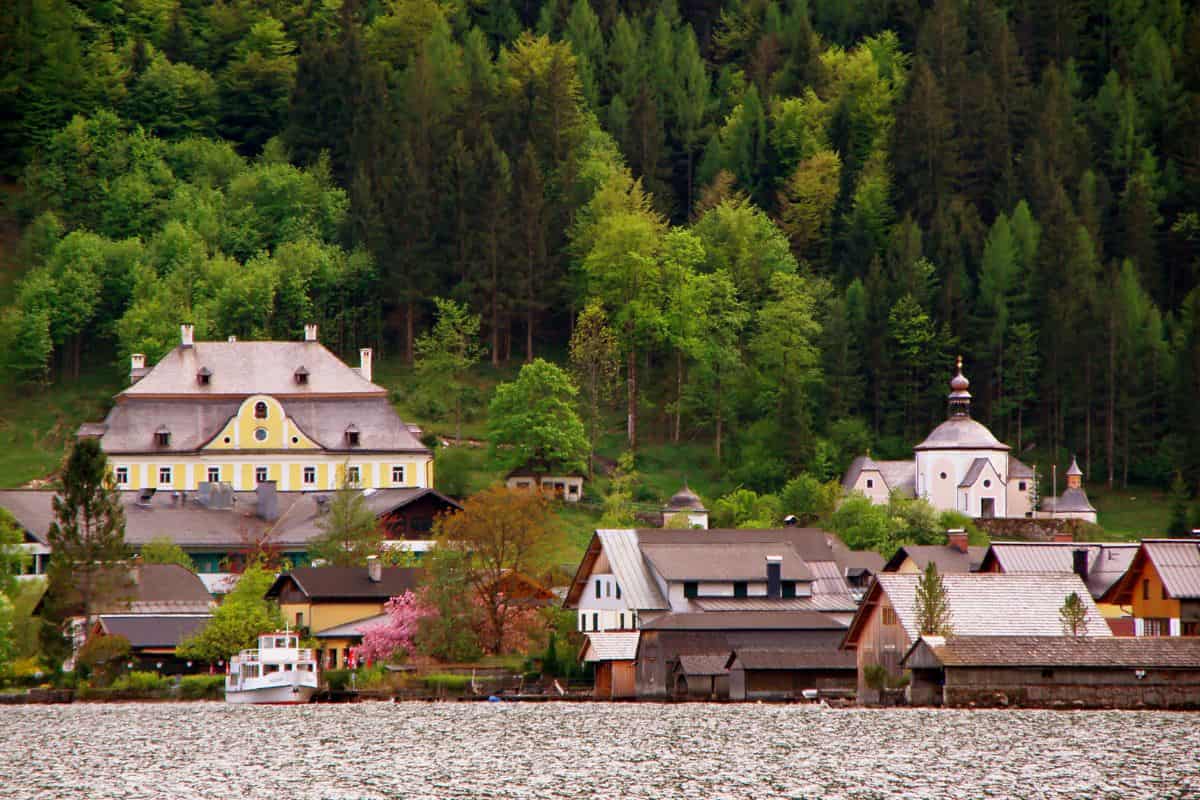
(785, 674)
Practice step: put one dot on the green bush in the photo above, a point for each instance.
(338, 679)
(142, 682)
(447, 681)
(202, 687)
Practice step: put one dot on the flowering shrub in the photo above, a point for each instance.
(395, 636)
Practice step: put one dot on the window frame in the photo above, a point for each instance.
(354, 475)
(169, 472)
(208, 472)
(121, 475)
(261, 410)
(263, 470)
(398, 468)
(305, 472)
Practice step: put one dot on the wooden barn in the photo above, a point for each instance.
(782, 674)
(614, 656)
(1055, 671)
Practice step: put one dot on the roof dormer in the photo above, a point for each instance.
(301, 375)
(204, 376)
(162, 436)
(352, 435)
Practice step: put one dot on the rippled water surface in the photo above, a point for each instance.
(413, 750)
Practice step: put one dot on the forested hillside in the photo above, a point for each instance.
(792, 215)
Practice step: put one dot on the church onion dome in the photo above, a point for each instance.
(685, 500)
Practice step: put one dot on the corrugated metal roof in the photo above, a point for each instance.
(1178, 565)
(828, 578)
(611, 646)
(625, 557)
(1066, 651)
(995, 604)
(820, 602)
(1107, 562)
(744, 620)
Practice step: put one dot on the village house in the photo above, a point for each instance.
(646, 597)
(961, 466)
(1050, 671)
(245, 413)
(554, 483)
(1098, 564)
(216, 526)
(323, 601)
(956, 556)
(887, 625)
(1161, 588)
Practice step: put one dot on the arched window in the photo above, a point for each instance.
(260, 410)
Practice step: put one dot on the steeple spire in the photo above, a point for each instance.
(960, 398)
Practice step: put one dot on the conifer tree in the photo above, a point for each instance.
(1074, 616)
(932, 604)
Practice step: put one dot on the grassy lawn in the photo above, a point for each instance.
(1133, 513)
(37, 426)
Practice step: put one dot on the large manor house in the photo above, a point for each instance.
(249, 413)
(961, 466)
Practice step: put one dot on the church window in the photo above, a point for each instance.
(227, 440)
(987, 484)
(1021, 486)
(214, 474)
(262, 474)
(122, 475)
(295, 440)
(310, 475)
(260, 434)
(870, 483)
(260, 410)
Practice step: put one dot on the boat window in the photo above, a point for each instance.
(269, 668)
(287, 667)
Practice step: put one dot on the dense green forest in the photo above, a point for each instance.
(792, 215)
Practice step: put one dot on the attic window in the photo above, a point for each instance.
(162, 437)
(352, 435)
(870, 483)
(204, 376)
(260, 410)
(301, 375)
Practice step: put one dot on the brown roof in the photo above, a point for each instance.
(788, 659)
(704, 664)
(715, 561)
(246, 368)
(743, 620)
(947, 559)
(166, 586)
(1065, 651)
(153, 630)
(348, 583)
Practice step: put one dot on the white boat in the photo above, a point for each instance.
(279, 671)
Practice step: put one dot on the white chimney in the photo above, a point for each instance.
(364, 368)
(374, 569)
(232, 338)
(137, 361)
(186, 331)
(310, 332)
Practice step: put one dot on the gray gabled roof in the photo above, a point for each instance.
(1106, 563)
(716, 561)
(629, 567)
(349, 583)
(1178, 566)
(994, 604)
(154, 630)
(246, 368)
(946, 558)
(975, 471)
(898, 476)
(1070, 501)
(1018, 468)
(615, 646)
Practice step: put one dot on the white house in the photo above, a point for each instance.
(960, 466)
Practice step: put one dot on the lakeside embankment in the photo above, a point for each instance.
(471, 751)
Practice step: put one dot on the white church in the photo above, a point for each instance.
(962, 467)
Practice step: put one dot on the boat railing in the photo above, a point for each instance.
(253, 656)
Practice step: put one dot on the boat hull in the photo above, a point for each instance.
(287, 694)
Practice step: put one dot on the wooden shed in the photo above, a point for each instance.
(1055, 671)
(702, 676)
(614, 657)
(786, 674)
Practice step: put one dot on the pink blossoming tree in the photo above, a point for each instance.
(395, 636)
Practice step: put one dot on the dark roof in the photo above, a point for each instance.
(811, 544)
(348, 583)
(1071, 501)
(168, 585)
(700, 559)
(704, 664)
(1064, 651)
(789, 659)
(948, 559)
(153, 630)
(192, 526)
(743, 620)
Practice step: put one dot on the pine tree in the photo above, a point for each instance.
(1074, 616)
(87, 537)
(932, 604)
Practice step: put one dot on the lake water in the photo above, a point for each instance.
(480, 750)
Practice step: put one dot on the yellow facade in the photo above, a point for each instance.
(322, 616)
(260, 439)
(1149, 595)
